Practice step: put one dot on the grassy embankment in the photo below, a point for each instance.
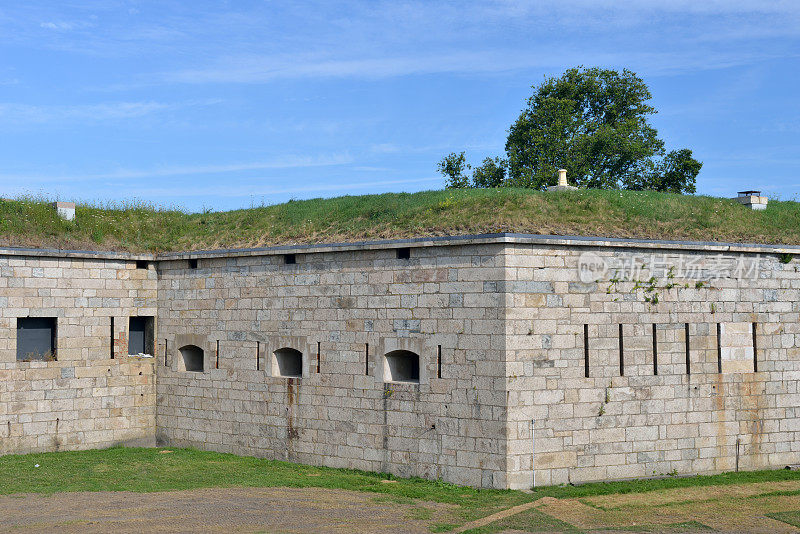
(140, 227)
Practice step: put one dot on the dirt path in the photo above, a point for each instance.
(215, 510)
(733, 508)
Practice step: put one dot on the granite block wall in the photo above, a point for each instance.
(344, 311)
(640, 412)
(80, 398)
(541, 359)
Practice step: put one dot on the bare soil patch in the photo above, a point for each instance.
(218, 509)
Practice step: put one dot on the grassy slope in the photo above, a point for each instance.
(28, 222)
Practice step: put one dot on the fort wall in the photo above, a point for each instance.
(571, 359)
(344, 311)
(78, 397)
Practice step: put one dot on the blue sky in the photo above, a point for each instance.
(224, 105)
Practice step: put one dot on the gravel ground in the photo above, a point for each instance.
(217, 509)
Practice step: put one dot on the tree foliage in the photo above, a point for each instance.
(594, 123)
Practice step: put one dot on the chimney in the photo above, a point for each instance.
(562, 182)
(752, 199)
(65, 210)
(562, 177)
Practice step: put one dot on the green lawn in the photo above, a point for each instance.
(136, 226)
(148, 470)
(158, 469)
(642, 486)
(155, 469)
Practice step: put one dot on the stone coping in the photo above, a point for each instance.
(481, 239)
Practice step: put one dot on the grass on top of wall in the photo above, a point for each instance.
(142, 227)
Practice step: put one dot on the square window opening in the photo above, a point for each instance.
(289, 259)
(193, 264)
(142, 264)
(141, 338)
(36, 339)
(403, 253)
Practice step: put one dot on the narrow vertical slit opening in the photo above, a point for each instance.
(719, 348)
(655, 351)
(165, 352)
(366, 359)
(258, 355)
(216, 364)
(439, 362)
(586, 350)
(621, 353)
(111, 343)
(319, 355)
(686, 343)
(755, 348)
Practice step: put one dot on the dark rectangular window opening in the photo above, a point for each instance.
(140, 335)
(719, 348)
(686, 333)
(319, 355)
(142, 264)
(366, 359)
(755, 348)
(403, 253)
(258, 355)
(289, 259)
(36, 339)
(216, 365)
(439, 362)
(586, 350)
(621, 353)
(193, 263)
(655, 351)
(111, 344)
(166, 344)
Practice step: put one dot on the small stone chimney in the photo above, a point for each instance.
(65, 210)
(562, 177)
(562, 182)
(752, 199)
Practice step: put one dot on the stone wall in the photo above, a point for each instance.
(330, 305)
(505, 327)
(720, 416)
(84, 398)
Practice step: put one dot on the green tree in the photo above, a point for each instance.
(594, 123)
(491, 173)
(453, 167)
(678, 172)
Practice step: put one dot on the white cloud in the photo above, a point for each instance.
(11, 112)
(284, 162)
(106, 111)
(249, 190)
(65, 26)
